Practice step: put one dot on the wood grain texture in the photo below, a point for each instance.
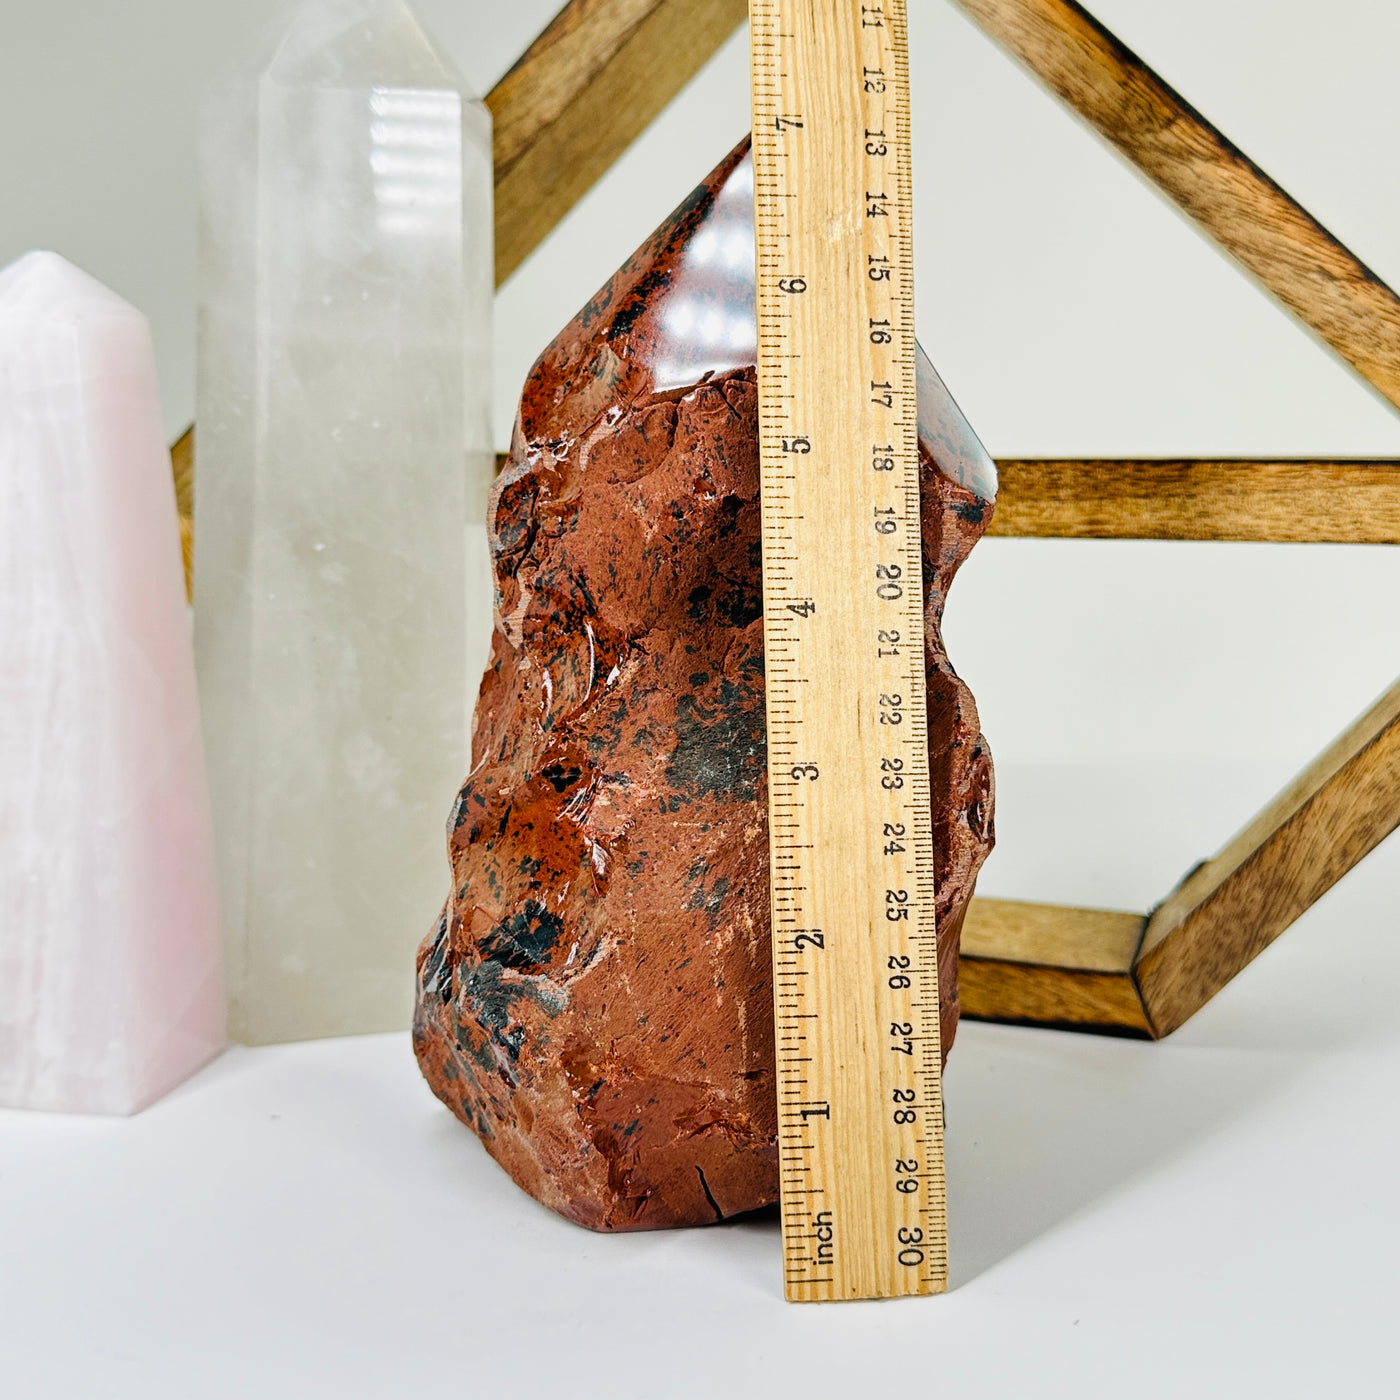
(1230, 908)
(1051, 965)
(1057, 998)
(570, 52)
(1052, 935)
(1283, 501)
(580, 95)
(1223, 191)
(1316, 502)
(852, 867)
(182, 469)
(1145, 975)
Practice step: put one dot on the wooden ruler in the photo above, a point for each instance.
(855, 958)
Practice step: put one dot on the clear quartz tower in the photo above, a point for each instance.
(342, 591)
(110, 980)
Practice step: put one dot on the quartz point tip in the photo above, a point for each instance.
(360, 43)
(342, 579)
(111, 987)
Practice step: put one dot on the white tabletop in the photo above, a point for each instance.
(1214, 1215)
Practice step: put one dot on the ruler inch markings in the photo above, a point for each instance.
(851, 845)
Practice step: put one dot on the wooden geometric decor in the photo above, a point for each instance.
(1145, 974)
(1136, 974)
(604, 69)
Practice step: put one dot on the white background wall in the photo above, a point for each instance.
(1142, 699)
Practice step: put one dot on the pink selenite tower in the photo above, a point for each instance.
(111, 986)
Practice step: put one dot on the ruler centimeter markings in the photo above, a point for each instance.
(855, 957)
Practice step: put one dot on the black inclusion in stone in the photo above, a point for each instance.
(524, 940)
(721, 746)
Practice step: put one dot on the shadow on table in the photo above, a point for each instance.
(1042, 1124)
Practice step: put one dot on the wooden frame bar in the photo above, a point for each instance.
(1136, 974)
(1047, 965)
(1234, 905)
(1279, 501)
(1312, 502)
(603, 69)
(1324, 285)
(596, 78)
(1050, 965)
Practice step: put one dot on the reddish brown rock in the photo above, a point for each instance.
(596, 1001)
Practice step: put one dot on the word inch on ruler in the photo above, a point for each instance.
(860, 1112)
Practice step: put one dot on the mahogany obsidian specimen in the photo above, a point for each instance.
(596, 1001)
